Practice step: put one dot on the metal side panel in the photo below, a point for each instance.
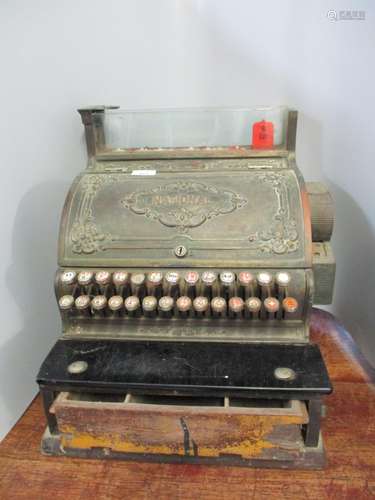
(324, 269)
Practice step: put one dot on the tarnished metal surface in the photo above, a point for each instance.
(250, 328)
(322, 211)
(226, 214)
(324, 270)
(218, 208)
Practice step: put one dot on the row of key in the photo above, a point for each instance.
(183, 307)
(192, 284)
(192, 295)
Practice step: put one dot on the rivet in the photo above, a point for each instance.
(77, 367)
(283, 373)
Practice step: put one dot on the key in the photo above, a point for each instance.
(154, 283)
(149, 305)
(172, 280)
(200, 305)
(218, 307)
(121, 283)
(137, 281)
(282, 282)
(85, 281)
(99, 305)
(253, 306)
(183, 304)
(133, 306)
(247, 284)
(103, 280)
(165, 306)
(265, 281)
(116, 305)
(209, 282)
(68, 277)
(66, 303)
(271, 305)
(235, 306)
(68, 282)
(191, 281)
(227, 284)
(83, 303)
(290, 307)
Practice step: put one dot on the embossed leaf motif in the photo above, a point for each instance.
(85, 235)
(183, 205)
(282, 236)
(86, 238)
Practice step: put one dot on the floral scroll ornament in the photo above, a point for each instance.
(86, 238)
(183, 205)
(282, 235)
(85, 235)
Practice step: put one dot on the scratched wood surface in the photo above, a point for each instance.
(173, 430)
(348, 429)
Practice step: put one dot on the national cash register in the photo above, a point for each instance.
(190, 254)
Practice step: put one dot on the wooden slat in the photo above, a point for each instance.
(296, 411)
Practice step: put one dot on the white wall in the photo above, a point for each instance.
(56, 56)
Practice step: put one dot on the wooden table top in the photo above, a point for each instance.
(348, 431)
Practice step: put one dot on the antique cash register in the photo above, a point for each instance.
(191, 252)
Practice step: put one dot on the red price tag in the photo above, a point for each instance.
(262, 135)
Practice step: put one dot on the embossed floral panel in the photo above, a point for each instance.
(140, 216)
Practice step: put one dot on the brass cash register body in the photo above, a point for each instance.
(175, 246)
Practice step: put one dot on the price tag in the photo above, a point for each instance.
(262, 135)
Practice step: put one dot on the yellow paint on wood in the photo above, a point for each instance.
(246, 448)
(249, 442)
(244, 435)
